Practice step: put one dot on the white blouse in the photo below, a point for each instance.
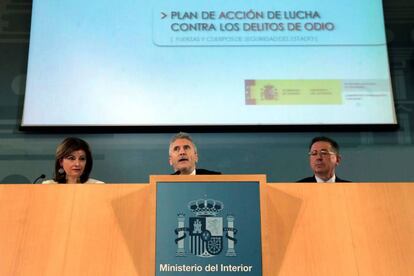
(89, 181)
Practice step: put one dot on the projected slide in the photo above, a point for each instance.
(178, 63)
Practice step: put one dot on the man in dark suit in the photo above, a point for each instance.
(324, 157)
(183, 156)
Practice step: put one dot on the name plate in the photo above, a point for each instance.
(205, 228)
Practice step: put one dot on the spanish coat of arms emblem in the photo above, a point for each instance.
(205, 230)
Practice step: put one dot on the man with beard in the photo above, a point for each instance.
(183, 156)
(323, 158)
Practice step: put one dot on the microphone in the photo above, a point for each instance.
(42, 176)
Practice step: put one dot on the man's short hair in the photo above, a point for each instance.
(332, 142)
(183, 135)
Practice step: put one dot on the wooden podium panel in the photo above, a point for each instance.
(76, 229)
(347, 229)
(307, 229)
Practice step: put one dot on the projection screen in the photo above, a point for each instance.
(207, 63)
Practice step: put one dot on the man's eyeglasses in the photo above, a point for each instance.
(321, 153)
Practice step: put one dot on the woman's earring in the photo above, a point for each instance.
(61, 171)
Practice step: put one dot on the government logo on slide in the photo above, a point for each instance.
(204, 234)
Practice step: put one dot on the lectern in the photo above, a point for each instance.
(111, 229)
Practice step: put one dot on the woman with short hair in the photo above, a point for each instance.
(73, 163)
